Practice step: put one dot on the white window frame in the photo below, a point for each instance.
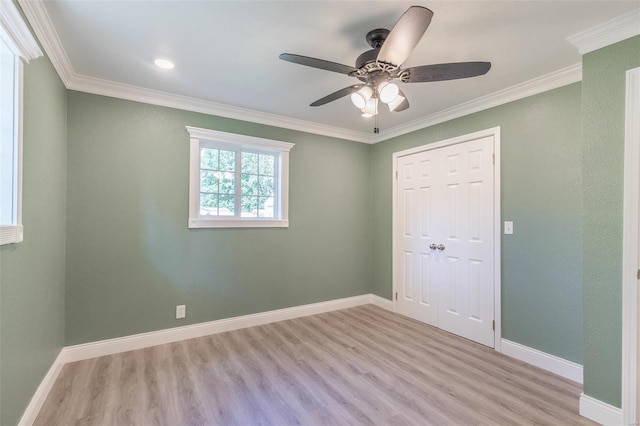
(16, 35)
(240, 143)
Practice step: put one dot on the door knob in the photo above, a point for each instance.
(440, 247)
(432, 246)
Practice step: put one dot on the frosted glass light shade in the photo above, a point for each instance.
(396, 103)
(388, 92)
(371, 107)
(361, 97)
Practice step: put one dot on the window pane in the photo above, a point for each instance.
(227, 160)
(249, 206)
(265, 207)
(209, 181)
(209, 158)
(266, 186)
(208, 204)
(7, 136)
(227, 183)
(249, 184)
(239, 181)
(267, 165)
(227, 205)
(249, 163)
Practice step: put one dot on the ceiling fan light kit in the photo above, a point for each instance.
(388, 92)
(361, 97)
(396, 103)
(371, 108)
(378, 67)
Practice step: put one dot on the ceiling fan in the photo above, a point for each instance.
(379, 67)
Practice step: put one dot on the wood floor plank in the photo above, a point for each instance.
(287, 382)
(509, 373)
(427, 388)
(314, 379)
(463, 382)
(358, 366)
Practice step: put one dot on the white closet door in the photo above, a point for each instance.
(445, 217)
(466, 304)
(416, 210)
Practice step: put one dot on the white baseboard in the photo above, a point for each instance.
(381, 302)
(145, 340)
(33, 409)
(557, 365)
(599, 411)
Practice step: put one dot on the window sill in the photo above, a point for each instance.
(237, 223)
(11, 234)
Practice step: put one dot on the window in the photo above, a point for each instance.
(16, 45)
(237, 181)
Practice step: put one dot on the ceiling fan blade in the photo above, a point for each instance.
(400, 104)
(317, 63)
(337, 95)
(441, 72)
(405, 35)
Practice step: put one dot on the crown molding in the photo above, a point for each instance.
(553, 80)
(535, 86)
(607, 33)
(12, 25)
(42, 26)
(39, 19)
(134, 93)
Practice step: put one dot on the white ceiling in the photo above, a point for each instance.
(226, 52)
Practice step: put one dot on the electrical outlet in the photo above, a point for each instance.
(181, 311)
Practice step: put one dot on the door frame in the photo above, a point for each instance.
(631, 248)
(497, 243)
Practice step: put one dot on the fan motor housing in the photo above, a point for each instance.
(375, 38)
(367, 57)
(367, 62)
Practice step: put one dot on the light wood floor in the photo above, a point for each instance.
(362, 365)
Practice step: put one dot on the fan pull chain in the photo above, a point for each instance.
(376, 121)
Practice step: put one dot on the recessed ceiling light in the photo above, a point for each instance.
(165, 64)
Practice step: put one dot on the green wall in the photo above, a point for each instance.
(131, 258)
(603, 93)
(541, 190)
(32, 274)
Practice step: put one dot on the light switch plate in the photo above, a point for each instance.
(508, 227)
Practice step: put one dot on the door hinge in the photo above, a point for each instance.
(396, 295)
(494, 325)
(638, 274)
(494, 158)
(396, 175)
